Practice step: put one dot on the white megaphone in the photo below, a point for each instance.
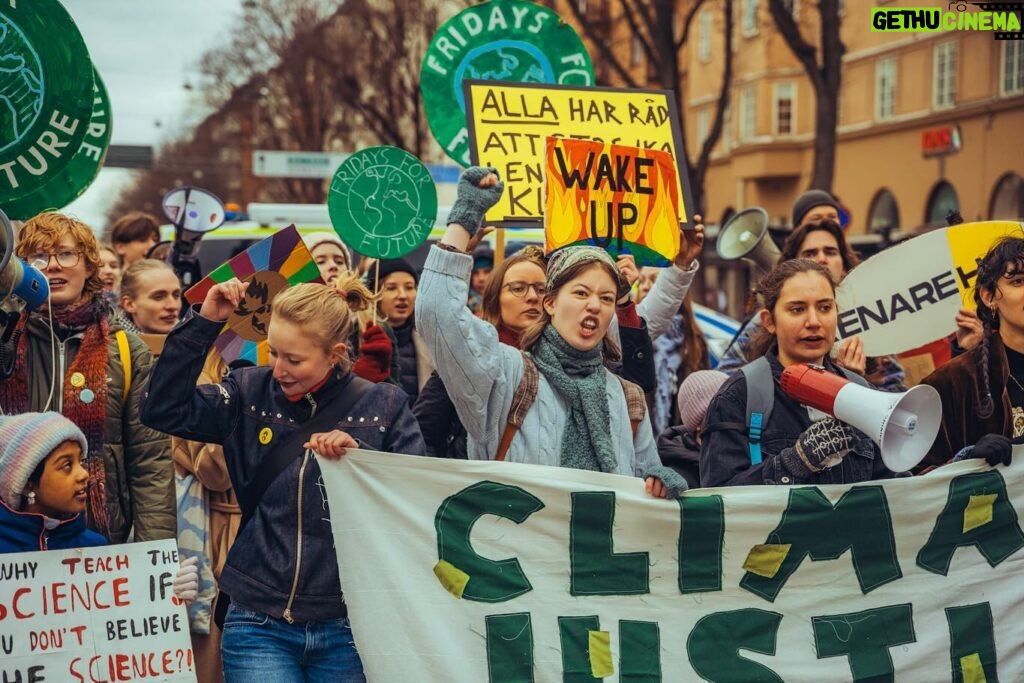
(745, 235)
(904, 425)
(21, 286)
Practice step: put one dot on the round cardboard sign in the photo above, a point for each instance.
(194, 209)
(83, 168)
(503, 40)
(46, 93)
(382, 202)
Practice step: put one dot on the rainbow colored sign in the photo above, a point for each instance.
(269, 266)
(623, 199)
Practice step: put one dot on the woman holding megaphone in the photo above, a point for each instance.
(791, 445)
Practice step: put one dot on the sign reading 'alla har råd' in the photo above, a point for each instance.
(93, 614)
(510, 124)
(46, 94)
(622, 199)
(503, 40)
(513, 572)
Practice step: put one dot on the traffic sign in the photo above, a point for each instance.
(286, 164)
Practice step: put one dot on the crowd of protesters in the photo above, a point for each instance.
(121, 422)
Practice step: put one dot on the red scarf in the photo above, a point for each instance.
(508, 336)
(89, 370)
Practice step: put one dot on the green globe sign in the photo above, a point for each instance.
(81, 170)
(382, 202)
(502, 40)
(46, 94)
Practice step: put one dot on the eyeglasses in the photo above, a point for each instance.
(519, 289)
(65, 259)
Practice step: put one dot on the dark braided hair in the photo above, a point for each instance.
(769, 287)
(1004, 258)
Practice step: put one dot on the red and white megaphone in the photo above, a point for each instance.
(903, 425)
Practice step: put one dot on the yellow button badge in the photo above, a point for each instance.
(266, 435)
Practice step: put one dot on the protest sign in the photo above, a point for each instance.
(382, 202)
(66, 186)
(105, 614)
(510, 123)
(486, 571)
(269, 266)
(47, 92)
(506, 40)
(622, 199)
(907, 295)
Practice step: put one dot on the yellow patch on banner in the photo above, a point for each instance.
(451, 577)
(599, 645)
(971, 668)
(978, 511)
(765, 559)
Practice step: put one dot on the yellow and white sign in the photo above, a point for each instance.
(488, 571)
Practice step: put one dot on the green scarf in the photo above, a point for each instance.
(579, 378)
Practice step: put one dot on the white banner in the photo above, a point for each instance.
(481, 571)
(92, 615)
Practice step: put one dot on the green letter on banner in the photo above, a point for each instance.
(596, 568)
(810, 525)
(715, 641)
(972, 648)
(459, 569)
(978, 512)
(509, 648)
(701, 534)
(578, 657)
(639, 652)
(865, 637)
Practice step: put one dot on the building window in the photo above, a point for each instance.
(636, 55)
(1008, 199)
(885, 88)
(1012, 82)
(783, 96)
(748, 112)
(702, 127)
(582, 5)
(704, 37)
(727, 134)
(791, 7)
(944, 75)
(750, 17)
(884, 214)
(941, 201)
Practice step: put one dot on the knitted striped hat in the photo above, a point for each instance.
(27, 440)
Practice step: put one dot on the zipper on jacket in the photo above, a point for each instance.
(287, 616)
(60, 374)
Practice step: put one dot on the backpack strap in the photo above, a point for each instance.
(636, 404)
(526, 394)
(760, 401)
(125, 352)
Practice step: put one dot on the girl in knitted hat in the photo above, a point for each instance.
(582, 415)
(43, 484)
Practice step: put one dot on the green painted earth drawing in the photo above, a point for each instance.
(21, 84)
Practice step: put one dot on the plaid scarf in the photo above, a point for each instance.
(90, 363)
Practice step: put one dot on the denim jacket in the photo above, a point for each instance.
(283, 563)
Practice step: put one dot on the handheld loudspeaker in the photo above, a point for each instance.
(903, 425)
(21, 285)
(745, 235)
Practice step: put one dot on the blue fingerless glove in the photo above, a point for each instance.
(473, 201)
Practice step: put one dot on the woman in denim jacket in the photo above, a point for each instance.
(288, 619)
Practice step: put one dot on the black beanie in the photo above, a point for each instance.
(808, 200)
(396, 265)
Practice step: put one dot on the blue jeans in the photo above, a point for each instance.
(256, 648)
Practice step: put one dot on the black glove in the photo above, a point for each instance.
(993, 449)
(822, 445)
(473, 201)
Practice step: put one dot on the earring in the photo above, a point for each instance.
(31, 497)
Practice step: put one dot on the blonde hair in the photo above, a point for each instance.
(325, 312)
(44, 231)
(133, 273)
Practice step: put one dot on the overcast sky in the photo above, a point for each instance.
(145, 51)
